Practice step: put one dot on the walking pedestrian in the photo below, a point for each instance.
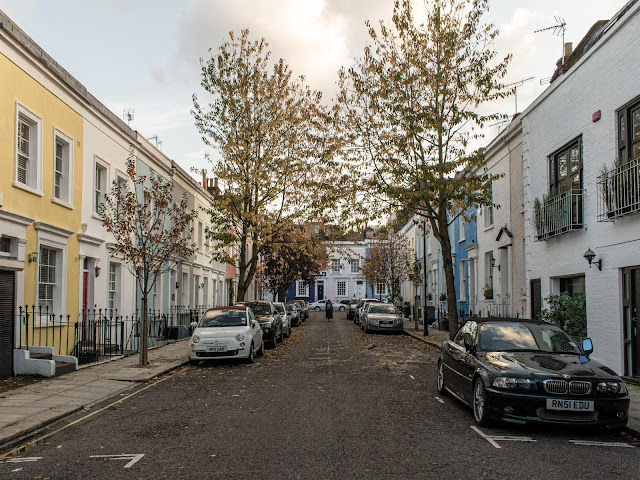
(329, 310)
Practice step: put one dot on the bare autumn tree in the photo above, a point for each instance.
(273, 154)
(412, 105)
(151, 231)
(391, 262)
(291, 256)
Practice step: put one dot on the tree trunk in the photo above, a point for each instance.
(445, 243)
(144, 334)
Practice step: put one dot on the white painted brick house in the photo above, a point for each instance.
(586, 119)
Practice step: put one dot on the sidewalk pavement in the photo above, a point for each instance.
(29, 408)
(436, 337)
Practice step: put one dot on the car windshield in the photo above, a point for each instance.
(514, 336)
(382, 308)
(261, 308)
(279, 307)
(224, 318)
(354, 302)
(290, 308)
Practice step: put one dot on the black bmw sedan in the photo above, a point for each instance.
(521, 371)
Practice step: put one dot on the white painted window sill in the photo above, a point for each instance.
(26, 188)
(62, 203)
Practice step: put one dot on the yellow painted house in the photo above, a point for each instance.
(40, 214)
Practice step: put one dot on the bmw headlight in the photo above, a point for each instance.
(239, 337)
(195, 339)
(612, 387)
(514, 383)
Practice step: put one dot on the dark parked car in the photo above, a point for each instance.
(351, 310)
(520, 371)
(269, 319)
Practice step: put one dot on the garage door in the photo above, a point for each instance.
(7, 280)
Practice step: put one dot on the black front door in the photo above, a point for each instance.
(320, 290)
(536, 299)
(7, 282)
(630, 314)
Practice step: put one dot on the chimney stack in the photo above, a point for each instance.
(568, 49)
(204, 178)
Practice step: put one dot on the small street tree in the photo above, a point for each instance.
(411, 105)
(390, 262)
(152, 232)
(273, 155)
(291, 256)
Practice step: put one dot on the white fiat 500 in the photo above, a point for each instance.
(226, 332)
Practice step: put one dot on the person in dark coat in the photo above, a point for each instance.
(329, 310)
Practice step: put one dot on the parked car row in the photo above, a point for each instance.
(243, 330)
(370, 314)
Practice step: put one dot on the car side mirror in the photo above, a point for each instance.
(468, 343)
(587, 346)
(193, 324)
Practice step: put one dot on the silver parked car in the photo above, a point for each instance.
(381, 316)
(286, 318)
(357, 317)
(296, 312)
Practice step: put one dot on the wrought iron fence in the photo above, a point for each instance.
(559, 214)
(619, 191)
(100, 334)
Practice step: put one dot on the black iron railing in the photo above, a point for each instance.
(100, 334)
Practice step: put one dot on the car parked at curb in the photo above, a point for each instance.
(380, 316)
(322, 304)
(351, 309)
(519, 371)
(226, 332)
(293, 308)
(359, 309)
(269, 319)
(286, 318)
(304, 310)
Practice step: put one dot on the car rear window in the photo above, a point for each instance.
(224, 318)
(382, 308)
(261, 308)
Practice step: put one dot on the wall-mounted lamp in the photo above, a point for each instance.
(590, 255)
(177, 285)
(493, 263)
(33, 257)
(97, 271)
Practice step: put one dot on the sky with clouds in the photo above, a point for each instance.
(144, 54)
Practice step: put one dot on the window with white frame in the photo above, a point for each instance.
(381, 288)
(122, 188)
(199, 236)
(113, 286)
(461, 225)
(335, 266)
(99, 185)
(302, 289)
(47, 279)
(463, 280)
(355, 265)
(28, 162)
(341, 288)
(62, 167)
(488, 210)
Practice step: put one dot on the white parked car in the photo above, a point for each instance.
(286, 318)
(226, 332)
(321, 304)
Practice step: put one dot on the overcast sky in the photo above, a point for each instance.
(144, 54)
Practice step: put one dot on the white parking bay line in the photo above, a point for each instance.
(439, 399)
(493, 439)
(20, 460)
(593, 443)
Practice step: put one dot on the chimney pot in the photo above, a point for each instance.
(204, 179)
(568, 49)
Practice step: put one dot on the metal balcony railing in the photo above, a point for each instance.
(619, 191)
(559, 214)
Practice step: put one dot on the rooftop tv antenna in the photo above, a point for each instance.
(158, 142)
(127, 114)
(558, 30)
(514, 86)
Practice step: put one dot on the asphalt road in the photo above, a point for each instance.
(329, 403)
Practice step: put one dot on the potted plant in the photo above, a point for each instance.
(487, 291)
